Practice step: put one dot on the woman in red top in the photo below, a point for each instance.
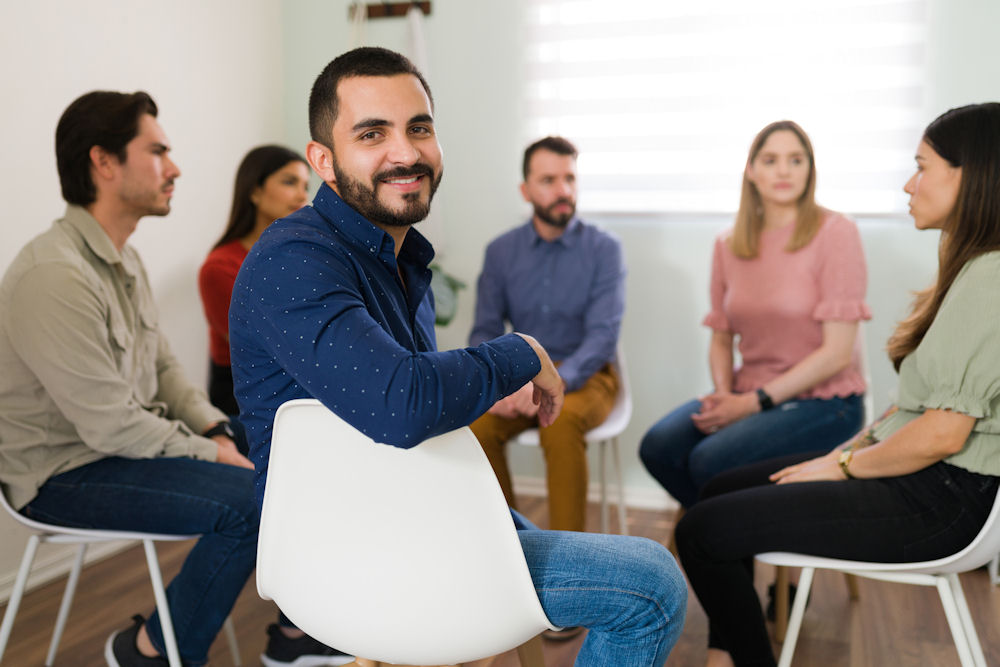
(270, 183)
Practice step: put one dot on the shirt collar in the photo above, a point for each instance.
(362, 233)
(94, 236)
(568, 238)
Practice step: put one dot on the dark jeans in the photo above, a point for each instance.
(173, 496)
(683, 459)
(928, 514)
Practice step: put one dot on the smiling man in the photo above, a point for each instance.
(333, 303)
(562, 281)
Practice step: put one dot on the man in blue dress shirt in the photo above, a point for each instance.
(333, 302)
(562, 281)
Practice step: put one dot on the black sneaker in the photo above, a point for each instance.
(302, 652)
(120, 649)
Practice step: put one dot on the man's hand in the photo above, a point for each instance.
(228, 454)
(549, 387)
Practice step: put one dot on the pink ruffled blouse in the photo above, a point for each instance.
(776, 303)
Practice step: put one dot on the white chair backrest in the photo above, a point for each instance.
(621, 413)
(402, 556)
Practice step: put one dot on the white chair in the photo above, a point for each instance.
(605, 436)
(51, 534)
(941, 573)
(398, 555)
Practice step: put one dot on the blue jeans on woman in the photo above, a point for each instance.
(627, 591)
(683, 459)
(173, 496)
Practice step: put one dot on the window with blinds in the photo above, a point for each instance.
(663, 97)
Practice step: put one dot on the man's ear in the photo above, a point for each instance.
(103, 163)
(524, 192)
(321, 160)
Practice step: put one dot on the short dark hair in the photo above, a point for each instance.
(100, 118)
(557, 145)
(256, 167)
(364, 61)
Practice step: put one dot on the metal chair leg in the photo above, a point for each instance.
(160, 594)
(30, 549)
(798, 611)
(67, 601)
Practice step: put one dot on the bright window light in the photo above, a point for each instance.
(663, 97)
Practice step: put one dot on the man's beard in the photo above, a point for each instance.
(364, 199)
(561, 220)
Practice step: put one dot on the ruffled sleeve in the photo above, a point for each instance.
(843, 275)
(959, 356)
(716, 318)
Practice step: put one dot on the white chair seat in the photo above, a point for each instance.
(52, 534)
(941, 573)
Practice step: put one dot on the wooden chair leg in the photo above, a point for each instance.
(852, 586)
(780, 603)
(530, 653)
(672, 544)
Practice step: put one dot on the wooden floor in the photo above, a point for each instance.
(891, 624)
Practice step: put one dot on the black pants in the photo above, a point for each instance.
(220, 389)
(922, 516)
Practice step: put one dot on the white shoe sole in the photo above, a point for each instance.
(306, 661)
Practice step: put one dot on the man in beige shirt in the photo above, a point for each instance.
(99, 427)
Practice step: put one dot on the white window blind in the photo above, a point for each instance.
(663, 97)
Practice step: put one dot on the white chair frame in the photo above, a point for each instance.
(52, 534)
(941, 573)
(404, 556)
(605, 436)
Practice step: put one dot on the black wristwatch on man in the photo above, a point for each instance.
(222, 428)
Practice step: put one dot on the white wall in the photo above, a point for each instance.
(214, 69)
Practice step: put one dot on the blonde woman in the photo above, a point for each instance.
(788, 288)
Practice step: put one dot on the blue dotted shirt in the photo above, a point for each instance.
(318, 311)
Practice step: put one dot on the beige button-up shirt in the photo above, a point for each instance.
(84, 370)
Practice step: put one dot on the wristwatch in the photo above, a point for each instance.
(764, 399)
(844, 460)
(222, 428)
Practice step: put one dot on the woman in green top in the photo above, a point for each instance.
(919, 484)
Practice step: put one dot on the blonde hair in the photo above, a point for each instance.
(745, 240)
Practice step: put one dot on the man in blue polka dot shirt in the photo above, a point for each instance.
(333, 303)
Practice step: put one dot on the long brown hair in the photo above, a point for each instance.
(256, 166)
(750, 217)
(966, 137)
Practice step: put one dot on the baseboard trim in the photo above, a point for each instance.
(638, 498)
(57, 563)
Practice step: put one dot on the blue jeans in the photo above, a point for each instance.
(683, 459)
(627, 591)
(173, 496)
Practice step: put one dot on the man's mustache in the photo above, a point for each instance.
(419, 169)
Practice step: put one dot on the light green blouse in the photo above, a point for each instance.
(957, 366)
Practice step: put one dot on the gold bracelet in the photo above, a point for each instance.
(845, 460)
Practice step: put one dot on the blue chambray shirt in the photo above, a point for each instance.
(318, 311)
(568, 293)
